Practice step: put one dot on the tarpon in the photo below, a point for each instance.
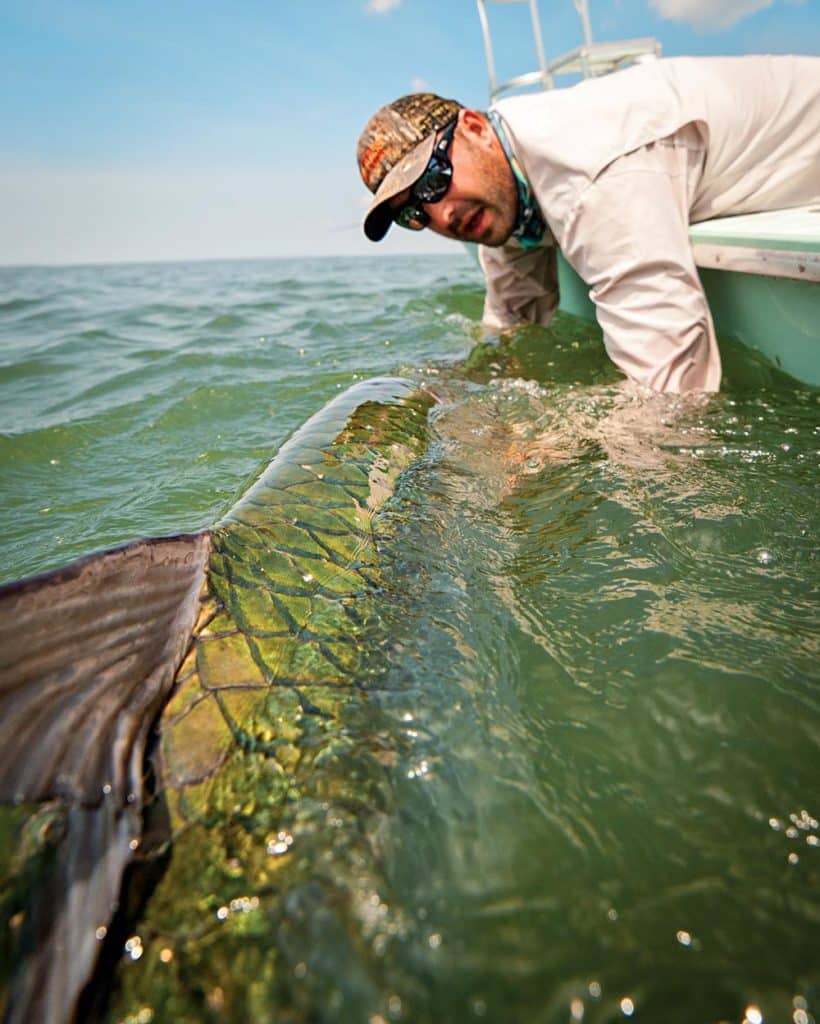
(170, 709)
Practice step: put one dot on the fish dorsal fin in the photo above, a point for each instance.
(88, 656)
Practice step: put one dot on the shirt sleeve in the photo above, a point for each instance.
(522, 284)
(628, 238)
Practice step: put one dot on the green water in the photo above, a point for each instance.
(142, 400)
(597, 785)
(614, 687)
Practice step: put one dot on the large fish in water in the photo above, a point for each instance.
(173, 712)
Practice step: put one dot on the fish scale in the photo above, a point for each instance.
(251, 768)
(262, 806)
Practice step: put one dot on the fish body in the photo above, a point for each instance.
(176, 709)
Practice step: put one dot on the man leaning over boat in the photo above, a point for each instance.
(613, 171)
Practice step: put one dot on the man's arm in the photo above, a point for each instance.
(628, 238)
(522, 284)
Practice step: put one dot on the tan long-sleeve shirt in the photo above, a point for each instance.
(621, 166)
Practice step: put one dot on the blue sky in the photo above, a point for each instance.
(183, 130)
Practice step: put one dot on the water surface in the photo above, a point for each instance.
(599, 699)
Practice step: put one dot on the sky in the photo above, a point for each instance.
(191, 129)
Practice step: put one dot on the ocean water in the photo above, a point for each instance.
(141, 400)
(600, 698)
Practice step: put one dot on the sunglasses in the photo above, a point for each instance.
(431, 187)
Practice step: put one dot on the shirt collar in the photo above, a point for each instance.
(529, 227)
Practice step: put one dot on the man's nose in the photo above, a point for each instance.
(441, 216)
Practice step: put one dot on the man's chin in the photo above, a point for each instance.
(495, 239)
(495, 242)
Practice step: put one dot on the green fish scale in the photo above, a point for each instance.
(279, 824)
(288, 570)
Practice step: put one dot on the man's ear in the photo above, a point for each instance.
(474, 125)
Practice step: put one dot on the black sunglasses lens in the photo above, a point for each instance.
(412, 217)
(433, 184)
(431, 187)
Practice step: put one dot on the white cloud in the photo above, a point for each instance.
(712, 14)
(419, 85)
(381, 6)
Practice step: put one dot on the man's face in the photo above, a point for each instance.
(481, 203)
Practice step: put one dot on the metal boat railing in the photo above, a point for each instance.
(588, 60)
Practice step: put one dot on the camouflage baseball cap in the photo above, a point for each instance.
(395, 148)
